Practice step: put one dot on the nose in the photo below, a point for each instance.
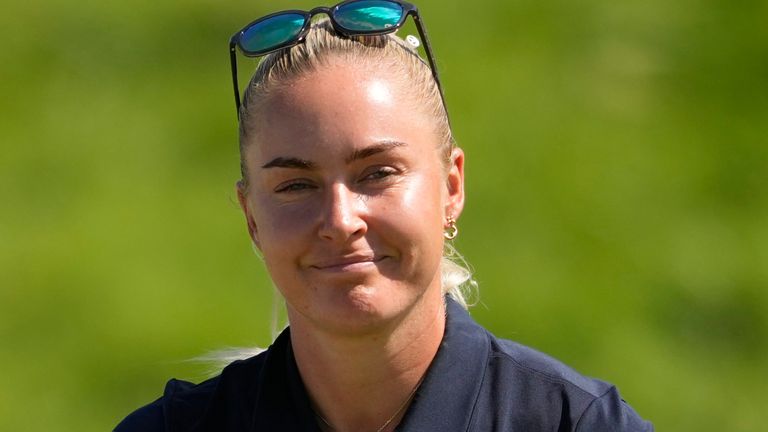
(342, 215)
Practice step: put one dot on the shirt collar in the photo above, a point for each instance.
(282, 402)
(450, 389)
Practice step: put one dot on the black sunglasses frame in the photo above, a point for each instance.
(408, 10)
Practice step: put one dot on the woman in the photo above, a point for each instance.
(351, 184)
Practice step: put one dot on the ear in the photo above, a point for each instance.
(242, 197)
(455, 184)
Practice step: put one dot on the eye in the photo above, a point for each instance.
(294, 186)
(379, 173)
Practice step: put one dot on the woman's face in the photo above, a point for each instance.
(348, 196)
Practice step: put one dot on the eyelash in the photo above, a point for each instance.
(379, 174)
(293, 186)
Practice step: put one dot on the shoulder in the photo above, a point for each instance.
(154, 418)
(184, 404)
(539, 385)
(542, 368)
(610, 412)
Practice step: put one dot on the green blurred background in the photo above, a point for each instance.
(616, 215)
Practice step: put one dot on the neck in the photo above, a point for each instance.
(358, 383)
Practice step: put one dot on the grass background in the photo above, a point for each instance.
(616, 217)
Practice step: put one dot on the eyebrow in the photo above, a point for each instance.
(298, 163)
(289, 162)
(379, 147)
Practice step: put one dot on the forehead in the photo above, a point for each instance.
(340, 104)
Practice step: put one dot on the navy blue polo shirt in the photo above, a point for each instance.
(476, 382)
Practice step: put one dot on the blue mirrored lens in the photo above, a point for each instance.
(271, 33)
(369, 15)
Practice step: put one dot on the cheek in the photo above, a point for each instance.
(284, 239)
(426, 196)
(282, 225)
(417, 214)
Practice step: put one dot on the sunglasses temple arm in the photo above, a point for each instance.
(233, 62)
(431, 59)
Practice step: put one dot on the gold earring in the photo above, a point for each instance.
(451, 229)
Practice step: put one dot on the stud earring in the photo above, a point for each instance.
(451, 230)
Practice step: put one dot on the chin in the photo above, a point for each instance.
(364, 301)
(361, 309)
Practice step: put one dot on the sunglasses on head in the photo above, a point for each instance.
(349, 18)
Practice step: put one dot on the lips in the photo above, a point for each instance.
(347, 262)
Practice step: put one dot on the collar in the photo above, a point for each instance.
(282, 402)
(448, 395)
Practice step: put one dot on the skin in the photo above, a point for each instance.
(347, 199)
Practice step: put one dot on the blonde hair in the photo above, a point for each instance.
(322, 44)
